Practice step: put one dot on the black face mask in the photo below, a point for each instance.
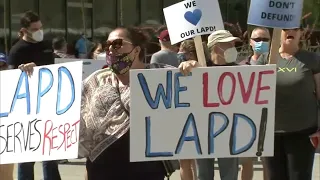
(120, 64)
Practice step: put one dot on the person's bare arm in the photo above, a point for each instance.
(28, 68)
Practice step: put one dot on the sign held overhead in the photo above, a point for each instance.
(283, 14)
(191, 18)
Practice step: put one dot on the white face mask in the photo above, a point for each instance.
(230, 55)
(38, 35)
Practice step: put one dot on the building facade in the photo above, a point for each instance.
(70, 18)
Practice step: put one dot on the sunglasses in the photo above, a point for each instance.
(258, 39)
(115, 44)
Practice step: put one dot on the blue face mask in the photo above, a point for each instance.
(261, 47)
(182, 57)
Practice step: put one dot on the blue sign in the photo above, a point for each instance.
(285, 14)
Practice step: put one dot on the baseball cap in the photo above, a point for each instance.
(3, 58)
(164, 36)
(220, 36)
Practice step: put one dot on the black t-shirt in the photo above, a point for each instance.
(24, 52)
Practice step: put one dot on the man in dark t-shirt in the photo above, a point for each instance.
(32, 51)
(31, 47)
(24, 52)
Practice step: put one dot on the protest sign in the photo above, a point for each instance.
(89, 65)
(213, 112)
(284, 14)
(191, 18)
(277, 14)
(40, 115)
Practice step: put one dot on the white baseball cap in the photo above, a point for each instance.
(221, 36)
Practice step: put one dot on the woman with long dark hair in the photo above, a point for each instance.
(105, 107)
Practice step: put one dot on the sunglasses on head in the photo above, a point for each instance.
(294, 29)
(115, 44)
(258, 39)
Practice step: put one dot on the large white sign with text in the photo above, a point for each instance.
(213, 112)
(40, 115)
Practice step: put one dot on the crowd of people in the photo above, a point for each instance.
(105, 105)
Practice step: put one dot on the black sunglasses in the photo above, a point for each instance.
(115, 44)
(258, 39)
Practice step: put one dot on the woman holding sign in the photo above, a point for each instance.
(187, 51)
(221, 45)
(296, 112)
(105, 118)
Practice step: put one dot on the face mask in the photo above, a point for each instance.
(37, 36)
(230, 55)
(181, 57)
(119, 64)
(261, 47)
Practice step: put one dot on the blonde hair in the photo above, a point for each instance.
(189, 46)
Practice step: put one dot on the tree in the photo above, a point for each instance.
(312, 6)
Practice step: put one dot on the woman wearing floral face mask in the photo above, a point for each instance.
(105, 108)
(223, 53)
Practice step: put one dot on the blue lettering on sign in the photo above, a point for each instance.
(190, 122)
(148, 152)
(41, 92)
(211, 133)
(166, 96)
(60, 110)
(233, 136)
(19, 95)
(178, 89)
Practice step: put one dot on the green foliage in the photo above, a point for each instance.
(312, 6)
